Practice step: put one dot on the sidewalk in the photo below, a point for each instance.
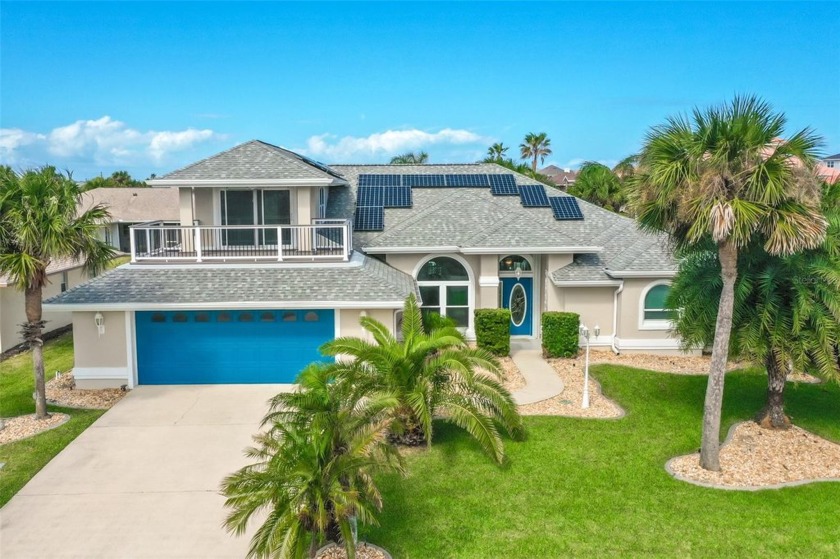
(541, 380)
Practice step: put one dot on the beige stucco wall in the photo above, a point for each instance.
(349, 320)
(593, 304)
(553, 296)
(100, 361)
(13, 313)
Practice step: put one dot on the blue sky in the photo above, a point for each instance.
(149, 87)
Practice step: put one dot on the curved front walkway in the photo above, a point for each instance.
(541, 380)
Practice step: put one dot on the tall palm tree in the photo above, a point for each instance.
(626, 167)
(596, 183)
(39, 223)
(535, 147)
(497, 151)
(411, 158)
(725, 175)
(313, 472)
(786, 313)
(434, 374)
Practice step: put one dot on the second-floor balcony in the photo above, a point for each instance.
(324, 240)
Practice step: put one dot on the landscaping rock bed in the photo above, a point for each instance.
(61, 391)
(25, 426)
(363, 551)
(756, 458)
(568, 402)
(513, 379)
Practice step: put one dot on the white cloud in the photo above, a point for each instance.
(390, 142)
(13, 139)
(104, 141)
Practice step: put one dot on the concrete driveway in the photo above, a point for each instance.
(143, 480)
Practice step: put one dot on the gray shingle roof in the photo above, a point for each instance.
(254, 160)
(363, 280)
(135, 205)
(56, 265)
(584, 268)
(474, 218)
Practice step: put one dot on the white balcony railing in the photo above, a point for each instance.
(325, 239)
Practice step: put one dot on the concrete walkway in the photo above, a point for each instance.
(143, 480)
(542, 381)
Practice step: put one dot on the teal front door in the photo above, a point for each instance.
(517, 297)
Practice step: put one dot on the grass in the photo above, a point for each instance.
(25, 458)
(598, 488)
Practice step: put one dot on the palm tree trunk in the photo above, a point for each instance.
(773, 415)
(710, 443)
(534, 164)
(32, 335)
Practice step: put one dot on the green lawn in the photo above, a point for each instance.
(25, 458)
(598, 488)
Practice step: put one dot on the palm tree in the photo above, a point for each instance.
(411, 158)
(314, 464)
(725, 176)
(626, 168)
(497, 151)
(535, 146)
(434, 374)
(786, 313)
(39, 222)
(596, 183)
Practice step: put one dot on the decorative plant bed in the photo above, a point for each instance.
(364, 550)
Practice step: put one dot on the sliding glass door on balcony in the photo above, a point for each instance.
(254, 207)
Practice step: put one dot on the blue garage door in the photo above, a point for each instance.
(230, 347)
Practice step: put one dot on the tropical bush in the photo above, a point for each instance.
(312, 475)
(492, 330)
(560, 336)
(432, 375)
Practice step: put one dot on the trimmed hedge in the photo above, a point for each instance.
(492, 330)
(560, 334)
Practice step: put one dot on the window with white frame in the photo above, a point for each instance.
(829, 164)
(654, 313)
(322, 202)
(445, 289)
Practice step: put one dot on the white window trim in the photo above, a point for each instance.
(469, 282)
(652, 324)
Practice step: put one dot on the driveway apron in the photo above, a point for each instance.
(143, 480)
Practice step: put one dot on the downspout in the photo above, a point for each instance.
(615, 317)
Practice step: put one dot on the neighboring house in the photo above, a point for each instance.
(289, 253)
(61, 275)
(563, 178)
(829, 169)
(132, 206)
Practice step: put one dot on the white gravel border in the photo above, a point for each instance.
(709, 485)
(64, 418)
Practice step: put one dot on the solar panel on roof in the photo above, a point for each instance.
(370, 196)
(501, 180)
(397, 196)
(369, 218)
(380, 180)
(467, 180)
(424, 181)
(533, 196)
(503, 185)
(565, 208)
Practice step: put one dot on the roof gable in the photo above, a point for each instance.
(252, 161)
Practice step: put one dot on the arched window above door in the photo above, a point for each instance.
(514, 262)
(443, 268)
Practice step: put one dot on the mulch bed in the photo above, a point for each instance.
(363, 551)
(25, 426)
(757, 458)
(62, 391)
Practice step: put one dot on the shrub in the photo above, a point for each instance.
(560, 334)
(492, 330)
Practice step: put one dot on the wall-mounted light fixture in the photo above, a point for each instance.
(99, 320)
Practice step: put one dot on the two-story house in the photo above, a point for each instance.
(276, 254)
